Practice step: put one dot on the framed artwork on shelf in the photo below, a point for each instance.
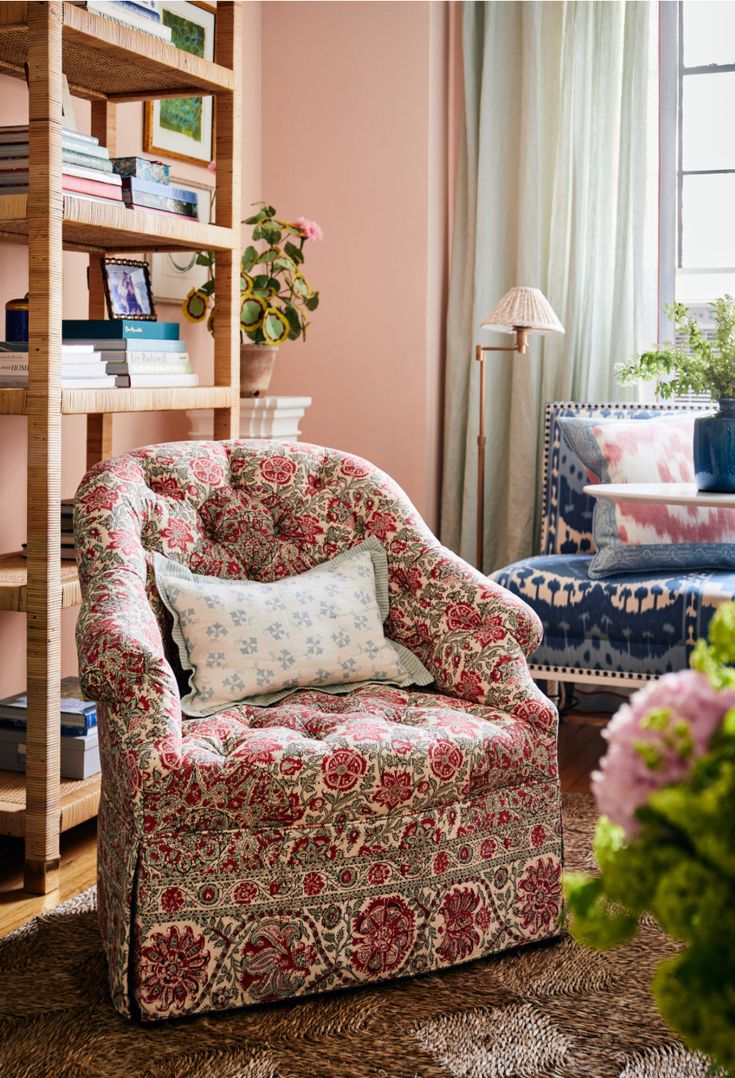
(183, 127)
(175, 273)
(128, 289)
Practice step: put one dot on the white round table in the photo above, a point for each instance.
(664, 493)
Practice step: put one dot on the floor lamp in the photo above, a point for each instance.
(520, 311)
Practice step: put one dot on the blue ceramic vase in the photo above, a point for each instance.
(714, 449)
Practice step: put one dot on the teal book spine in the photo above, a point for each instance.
(95, 329)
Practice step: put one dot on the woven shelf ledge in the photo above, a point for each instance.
(97, 227)
(14, 577)
(105, 60)
(80, 799)
(101, 401)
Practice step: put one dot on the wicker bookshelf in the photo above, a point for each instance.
(106, 63)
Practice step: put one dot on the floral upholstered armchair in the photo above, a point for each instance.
(327, 840)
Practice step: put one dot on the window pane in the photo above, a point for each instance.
(708, 222)
(702, 287)
(708, 111)
(709, 32)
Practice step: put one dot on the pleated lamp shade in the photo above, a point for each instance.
(523, 308)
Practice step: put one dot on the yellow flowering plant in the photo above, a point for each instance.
(275, 296)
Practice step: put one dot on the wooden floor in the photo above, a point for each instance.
(580, 747)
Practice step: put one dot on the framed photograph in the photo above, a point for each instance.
(183, 127)
(128, 289)
(175, 273)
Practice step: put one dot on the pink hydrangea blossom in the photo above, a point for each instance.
(310, 230)
(653, 741)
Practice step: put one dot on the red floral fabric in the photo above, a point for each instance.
(328, 840)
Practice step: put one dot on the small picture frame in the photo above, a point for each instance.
(128, 289)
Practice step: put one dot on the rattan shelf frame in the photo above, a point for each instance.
(97, 228)
(79, 801)
(111, 401)
(106, 63)
(105, 60)
(14, 583)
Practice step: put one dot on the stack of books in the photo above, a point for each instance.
(68, 542)
(144, 15)
(85, 165)
(136, 354)
(80, 756)
(140, 192)
(82, 366)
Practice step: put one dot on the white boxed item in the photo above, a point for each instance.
(80, 756)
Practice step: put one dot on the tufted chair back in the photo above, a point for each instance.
(266, 510)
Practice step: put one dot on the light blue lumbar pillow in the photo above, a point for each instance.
(246, 642)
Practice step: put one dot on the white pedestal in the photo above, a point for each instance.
(276, 418)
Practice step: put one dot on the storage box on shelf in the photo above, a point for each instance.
(106, 63)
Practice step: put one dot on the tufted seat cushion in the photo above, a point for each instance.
(640, 623)
(318, 757)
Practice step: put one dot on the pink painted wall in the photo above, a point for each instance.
(129, 430)
(354, 136)
(352, 133)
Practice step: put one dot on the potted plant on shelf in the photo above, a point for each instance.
(665, 845)
(275, 296)
(702, 366)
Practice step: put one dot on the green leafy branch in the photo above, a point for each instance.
(702, 366)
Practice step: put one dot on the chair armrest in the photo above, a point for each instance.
(472, 634)
(122, 665)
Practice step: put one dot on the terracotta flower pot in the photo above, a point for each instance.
(256, 368)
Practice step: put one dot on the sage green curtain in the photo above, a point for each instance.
(556, 189)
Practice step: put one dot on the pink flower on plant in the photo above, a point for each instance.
(654, 740)
(212, 167)
(310, 230)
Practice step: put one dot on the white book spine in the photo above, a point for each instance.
(142, 357)
(85, 173)
(149, 368)
(141, 381)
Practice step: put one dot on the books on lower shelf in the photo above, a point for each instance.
(67, 542)
(82, 367)
(137, 354)
(77, 715)
(109, 354)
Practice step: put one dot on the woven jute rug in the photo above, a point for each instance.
(549, 1011)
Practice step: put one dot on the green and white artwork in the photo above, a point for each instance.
(182, 127)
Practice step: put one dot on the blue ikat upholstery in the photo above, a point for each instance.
(636, 626)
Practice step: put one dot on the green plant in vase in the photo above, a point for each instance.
(276, 298)
(702, 366)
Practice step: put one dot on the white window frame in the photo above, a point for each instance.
(671, 172)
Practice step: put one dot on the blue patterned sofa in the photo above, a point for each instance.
(621, 630)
